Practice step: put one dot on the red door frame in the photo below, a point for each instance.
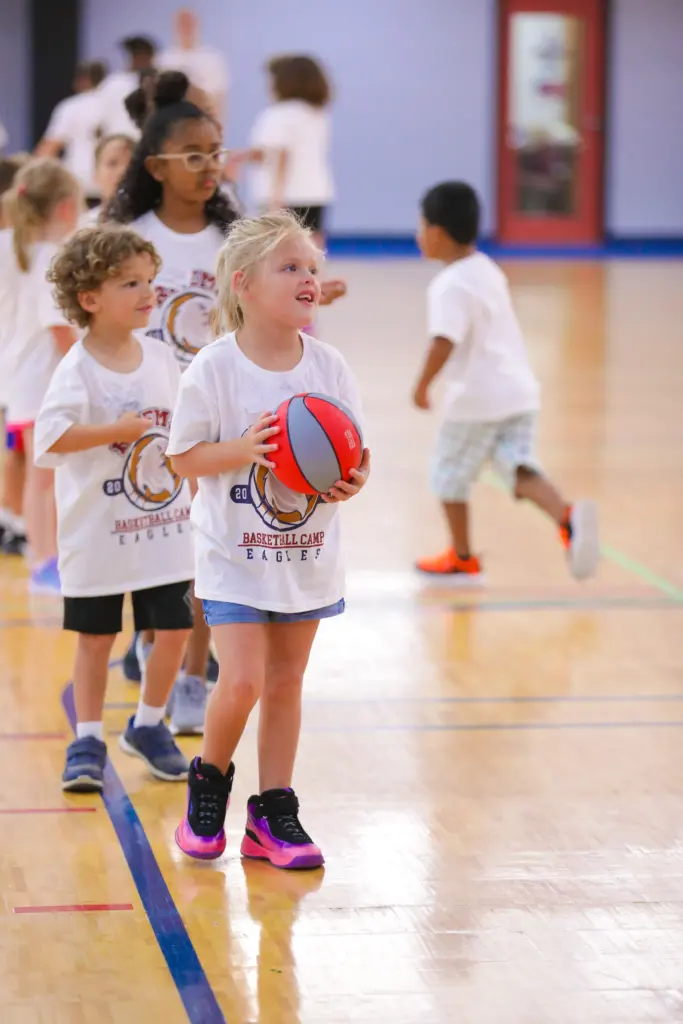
(586, 227)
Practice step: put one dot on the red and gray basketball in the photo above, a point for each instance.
(319, 443)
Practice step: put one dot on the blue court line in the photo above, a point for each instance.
(169, 930)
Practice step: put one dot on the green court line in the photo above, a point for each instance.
(642, 572)
(614, 555)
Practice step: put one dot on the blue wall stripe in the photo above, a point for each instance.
(169, 930)
(384, 246)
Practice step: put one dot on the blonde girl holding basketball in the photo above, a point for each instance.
(43, 209)
(264, 589)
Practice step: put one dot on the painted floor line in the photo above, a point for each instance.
(489, 727)
(164, 917)
(73, 908)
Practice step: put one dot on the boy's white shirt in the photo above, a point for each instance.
(488, 376)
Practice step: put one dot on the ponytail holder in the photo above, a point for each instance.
(21, 190)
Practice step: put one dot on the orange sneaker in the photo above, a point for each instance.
(453, 569)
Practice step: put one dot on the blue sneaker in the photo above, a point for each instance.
(131, 665)
(84, 770)
(45, 578)
(154, 745)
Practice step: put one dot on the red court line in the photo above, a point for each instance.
(68, 908)
(12, 736)
(47, 810)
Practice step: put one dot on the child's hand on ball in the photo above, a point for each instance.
(345, 489)
(256, 442)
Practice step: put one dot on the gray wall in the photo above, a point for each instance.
(644, 180)
(415, 83)
(416, 94)
(15, 111)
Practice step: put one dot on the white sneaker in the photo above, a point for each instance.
(142, 651)
(187, 706)
(583, 550)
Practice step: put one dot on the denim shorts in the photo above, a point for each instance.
(222, 613)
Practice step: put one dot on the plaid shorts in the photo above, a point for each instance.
(462, 450)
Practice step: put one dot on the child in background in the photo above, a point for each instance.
(43, 209)
(12, 526)
(170, 195)
(291, 143)
(291, 146)
(112, 156)
(492, 395)
(263, 601)
(123, 513)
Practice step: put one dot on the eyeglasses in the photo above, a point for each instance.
(198, 162)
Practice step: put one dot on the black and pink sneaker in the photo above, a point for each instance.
(274, 832)
(201, 834)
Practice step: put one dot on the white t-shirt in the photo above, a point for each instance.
(123, 514)
(488, 374)
(74, 123)
(32, 351)
(185, 285)
(304, 131)
(9, 286)
(205, 67)
(256, 542)
(113, 117)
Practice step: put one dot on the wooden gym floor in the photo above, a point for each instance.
(496, 778)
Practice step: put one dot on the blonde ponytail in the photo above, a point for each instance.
(39, 187)
(251, 240)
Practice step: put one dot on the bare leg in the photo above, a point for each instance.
(200, 638)
(198, 644)
(537, 489)
(457, 514)
(13, 482)
(91, 672)
(289, 647)
(242, 649)
(163, 665)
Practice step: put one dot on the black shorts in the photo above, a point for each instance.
(311, 216)
(167, 607)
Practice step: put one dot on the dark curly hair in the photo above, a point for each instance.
(157, 107)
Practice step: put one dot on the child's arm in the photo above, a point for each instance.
(211, 458)
(82, 436)
(277, 191)
(449, 317)
(194, 447)
(437, 357)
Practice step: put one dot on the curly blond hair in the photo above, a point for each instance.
(92, 256)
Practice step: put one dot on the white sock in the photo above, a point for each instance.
(95, 729)
(147, 715)
(6, 518)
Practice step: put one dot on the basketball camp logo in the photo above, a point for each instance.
(277, 506)
(148, 479)
(185, 322)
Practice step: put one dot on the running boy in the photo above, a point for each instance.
(492, 395)
(123, 513)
